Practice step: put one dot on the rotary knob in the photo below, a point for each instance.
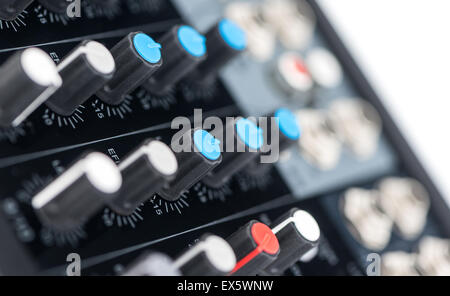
(255, 246)
(153, 264)
(145, 171)
(298, 233)
(137, 57)
(29, 78)
(289, 130)
(210, 256)
(10, 9)
(184, 50)
(58, 6)
(225, 41)
(247, 143)
(84, 71)
(200, 156)
(78, 193)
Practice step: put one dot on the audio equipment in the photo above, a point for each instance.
(110, 146)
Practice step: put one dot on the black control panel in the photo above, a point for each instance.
(88, 108)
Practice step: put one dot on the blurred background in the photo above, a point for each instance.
(403, 47)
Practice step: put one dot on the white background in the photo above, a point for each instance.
(403, 47)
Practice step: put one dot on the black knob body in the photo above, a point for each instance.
(210, 256)
(184, 49)
(58, 6)
(137, 57)
(225, 41)
(255, 246)
(145, 171)
(247, 141)
(28, 79)
(153, 264)
(84, 71)
(10, 9)
(298, 233)
(80, 192)
(202, 154)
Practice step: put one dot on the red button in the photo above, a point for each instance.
(265, 238)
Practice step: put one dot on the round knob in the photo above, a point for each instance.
(77, 194)
(84, 71)
(58, 6)
(28, 79)
(298, 233)
(289, 130)
(137, 57)
(211, 256)
(144, 172)
(255, 246)
(247, 141)
(10, 9)
(224, 41)
(184, 49)
(202, 154)
(153, 264)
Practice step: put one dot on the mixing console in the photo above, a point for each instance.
(110, 146)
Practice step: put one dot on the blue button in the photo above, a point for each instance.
(207, 145)
(192, 41)
(147, 48)
(250, 133)
(288, 123)
(232, 34)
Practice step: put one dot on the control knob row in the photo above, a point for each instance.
(92, 69)
(254, 249)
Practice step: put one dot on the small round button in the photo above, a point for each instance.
(287, 123)
(232, 34)
(250, 133)
(265, 238)
(192, 41)
(147, 48)
(207, 145)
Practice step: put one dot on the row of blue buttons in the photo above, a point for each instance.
(249, 133)
(192, 41)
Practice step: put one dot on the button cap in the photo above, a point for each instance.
(203, 156)
(145, 171)
(211, 256)
(184, 49)
(255, 246)
(225, 41)
(298, 233)
(79, 192)
(84, 71)
(247, 143)
(137, 57)
(28, 79)
(10, 9)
